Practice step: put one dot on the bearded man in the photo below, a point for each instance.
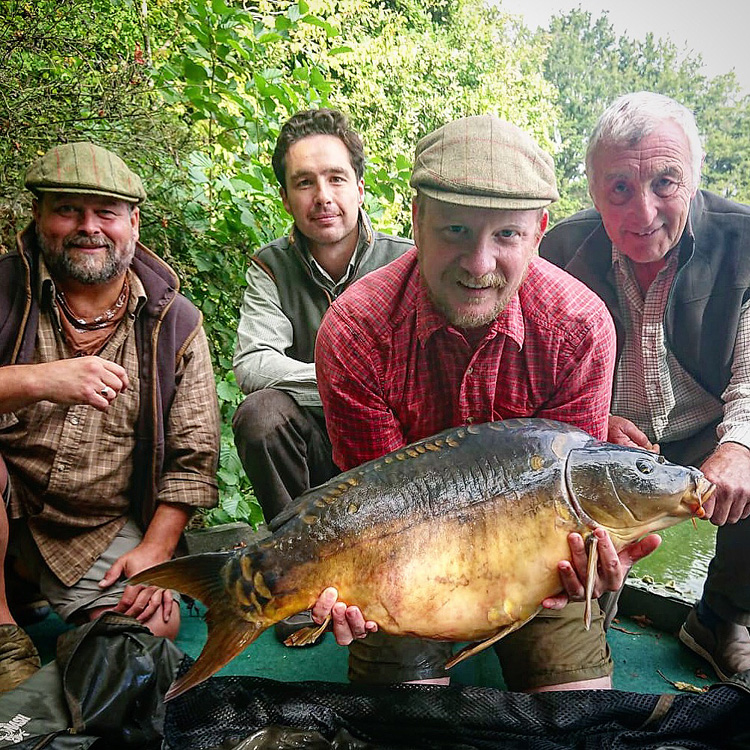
(109, 426)
(471, 326)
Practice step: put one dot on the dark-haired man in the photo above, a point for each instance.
(109, 426)
(279, 428)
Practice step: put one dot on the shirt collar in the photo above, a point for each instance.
(429, 320)
(364, 240)
(46, 290)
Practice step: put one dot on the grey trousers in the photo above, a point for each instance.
(727, 587)
(283, 447)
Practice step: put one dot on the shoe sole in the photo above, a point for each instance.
(696, 648)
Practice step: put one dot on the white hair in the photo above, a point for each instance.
(632, 117)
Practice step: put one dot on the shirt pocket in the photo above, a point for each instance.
(120, 418)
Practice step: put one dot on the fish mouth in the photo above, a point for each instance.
(703, 491)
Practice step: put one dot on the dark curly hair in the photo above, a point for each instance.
(317, 122)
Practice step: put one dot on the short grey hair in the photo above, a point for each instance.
(632, 117)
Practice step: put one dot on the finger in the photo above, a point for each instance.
(323, 606)
(118, 372)
(635, 552)
(572, 583)
(555, 602)
(341, 630)
(167, 603)
(143, 603)
(112, 575)
(720, 512)
(151, 606)
(609, 565)
(356, 622)
(127, 599)
(578, 556)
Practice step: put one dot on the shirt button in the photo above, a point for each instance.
(469, 420)
(74, 420)
(469, 370)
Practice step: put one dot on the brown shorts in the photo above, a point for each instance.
(71, 603)
(552, 649)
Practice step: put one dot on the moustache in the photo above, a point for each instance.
(487, 280)
(82, 240)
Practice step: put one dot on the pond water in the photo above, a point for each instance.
(681, 562)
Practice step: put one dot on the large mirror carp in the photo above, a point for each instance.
(456, 537)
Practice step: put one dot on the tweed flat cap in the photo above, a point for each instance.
(484, 162)
(84, 168)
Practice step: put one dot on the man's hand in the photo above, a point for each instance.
(80, 380)
(348, 622)
(84, 380)
(141, 602)
(623, 432)
(612, 568)
(728, 467)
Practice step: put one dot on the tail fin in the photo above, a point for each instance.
(203, 578)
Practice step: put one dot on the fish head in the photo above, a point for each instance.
(632, 492)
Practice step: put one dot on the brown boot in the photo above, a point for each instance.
(19, 658)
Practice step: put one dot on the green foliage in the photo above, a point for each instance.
(590, 66)
(193, 93)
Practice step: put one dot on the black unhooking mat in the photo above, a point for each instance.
(245, 713)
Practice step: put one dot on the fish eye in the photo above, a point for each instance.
(644, 466)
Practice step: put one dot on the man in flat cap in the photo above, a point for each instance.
(109, 426)
(472, 326)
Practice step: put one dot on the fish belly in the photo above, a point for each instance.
(446, 579)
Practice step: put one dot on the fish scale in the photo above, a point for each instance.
(455, 537)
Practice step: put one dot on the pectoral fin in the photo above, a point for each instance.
(475, 648)
(306, 636)
(593, 545)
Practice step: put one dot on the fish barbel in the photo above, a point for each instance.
(456, 537)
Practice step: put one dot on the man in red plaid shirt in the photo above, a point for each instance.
(472, 326)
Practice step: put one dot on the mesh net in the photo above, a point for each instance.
(225, 711)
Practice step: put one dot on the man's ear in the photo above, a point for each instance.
(542, 227)
(285, 200)
(415, 220)
(35, 208)
(361, 190)
(135, 221)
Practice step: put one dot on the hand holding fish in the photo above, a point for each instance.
(348, 623)
(612, 567)
(728, 467)
(140, 602)
(456, 537)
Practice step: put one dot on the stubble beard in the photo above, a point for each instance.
(467, 318)
(62, 263)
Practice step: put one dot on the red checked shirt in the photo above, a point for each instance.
(391, 370)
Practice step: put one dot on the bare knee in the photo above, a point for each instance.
(596, 683)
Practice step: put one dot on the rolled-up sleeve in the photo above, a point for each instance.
(192, 432)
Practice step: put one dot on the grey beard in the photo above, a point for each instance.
(87, 271)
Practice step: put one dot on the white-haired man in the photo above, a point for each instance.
(672, 263)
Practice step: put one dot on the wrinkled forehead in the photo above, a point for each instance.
(664, 149)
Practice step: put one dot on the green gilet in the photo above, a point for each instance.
(304, 294)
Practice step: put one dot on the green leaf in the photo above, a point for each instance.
(194, 72)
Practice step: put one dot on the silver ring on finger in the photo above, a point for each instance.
(106, 391)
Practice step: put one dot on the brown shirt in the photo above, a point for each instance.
(71, 466)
